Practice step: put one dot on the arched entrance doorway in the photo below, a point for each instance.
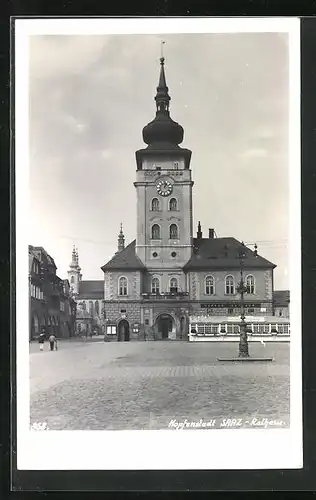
(123, 331)
(164, 324)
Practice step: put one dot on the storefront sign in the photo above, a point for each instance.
(216, 305)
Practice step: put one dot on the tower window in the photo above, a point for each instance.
(173, 204)
(155, 254)
(250, 284)
(209, 285)
(176, 165)
(122, 286)
(155, 204)
(155, 286)
(72, 279)
(229, 285)
(173, 286)
(155, 232)
(173, 254)
(173, 232)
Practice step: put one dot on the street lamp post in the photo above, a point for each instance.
(242, 289)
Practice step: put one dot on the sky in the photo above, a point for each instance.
(91, 96)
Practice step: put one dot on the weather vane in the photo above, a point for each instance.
(162, 44)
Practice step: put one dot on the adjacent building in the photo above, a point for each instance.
(282, 303)
(51, 304)
(89, 295)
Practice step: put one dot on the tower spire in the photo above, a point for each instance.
(162, 97)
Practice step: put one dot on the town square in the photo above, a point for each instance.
(97, 385)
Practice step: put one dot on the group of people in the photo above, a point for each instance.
(51, 339)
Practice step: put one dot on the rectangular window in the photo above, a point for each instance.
(201, 329)
(211, 329)
(261, 329)
(111, 330)
(230, 311)
(232, 328)
(283, 329)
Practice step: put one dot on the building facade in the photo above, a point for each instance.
(282, 303)
(154, 284)
(51, 305)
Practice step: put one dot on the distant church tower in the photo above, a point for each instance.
(74, 272)
(163, 185)
(120, 241)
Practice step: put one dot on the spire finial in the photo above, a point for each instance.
(162, 59)
(162, 97)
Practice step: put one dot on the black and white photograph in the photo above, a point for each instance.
(158, 243)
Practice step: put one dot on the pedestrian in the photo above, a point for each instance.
(52, 340)
(41, 341)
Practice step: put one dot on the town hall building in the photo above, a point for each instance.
(169, 272)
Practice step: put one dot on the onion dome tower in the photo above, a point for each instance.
(162, 134)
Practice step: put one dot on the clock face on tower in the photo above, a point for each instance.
(164, 188)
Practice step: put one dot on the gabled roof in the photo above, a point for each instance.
(42, 255)
(91, 289)
(223, 253)
(281, 298)
(125, 260)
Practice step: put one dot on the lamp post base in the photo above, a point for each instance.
(243, 345)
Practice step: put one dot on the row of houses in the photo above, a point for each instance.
(51, 305)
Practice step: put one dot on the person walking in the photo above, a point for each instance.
(41, 341)
(52, 340)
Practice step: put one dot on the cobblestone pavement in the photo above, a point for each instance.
(98, 385)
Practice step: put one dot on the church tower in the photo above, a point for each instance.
(163, 185)
(74, 272)
(120, 241)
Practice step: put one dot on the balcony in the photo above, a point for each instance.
(166, 296)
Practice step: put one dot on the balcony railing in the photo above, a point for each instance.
(166, 296)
